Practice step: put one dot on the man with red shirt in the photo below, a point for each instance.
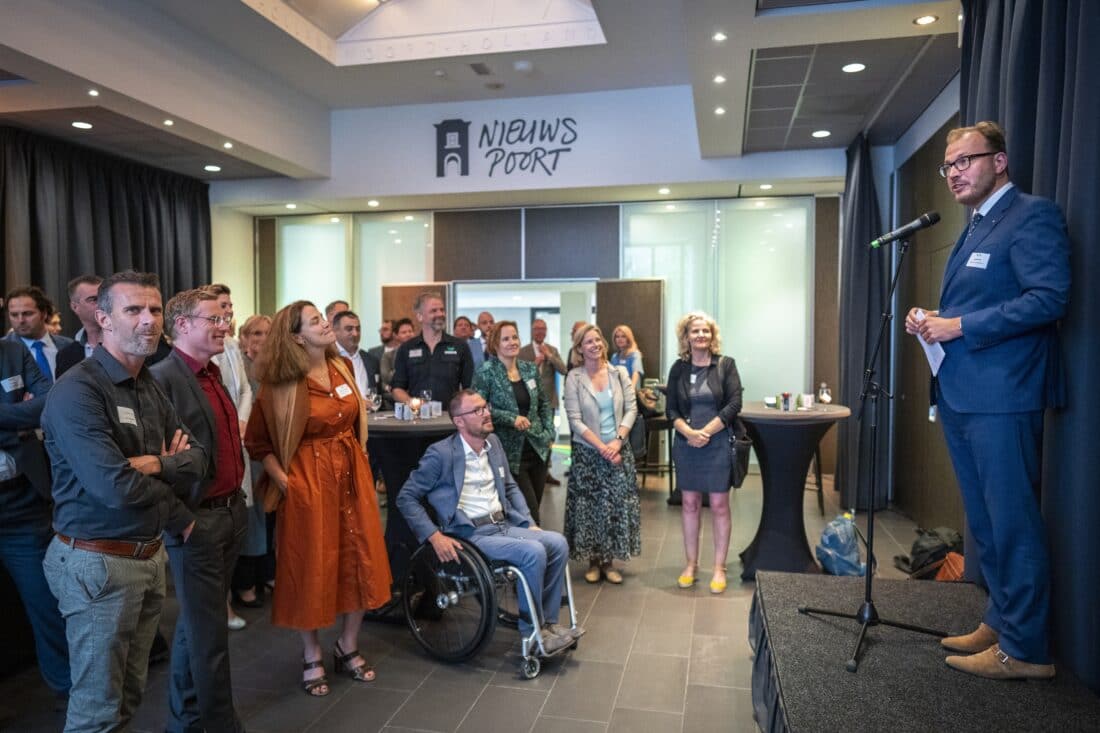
(200, 694)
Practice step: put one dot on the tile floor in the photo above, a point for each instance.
(656, 658)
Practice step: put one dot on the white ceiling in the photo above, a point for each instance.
(649, 43)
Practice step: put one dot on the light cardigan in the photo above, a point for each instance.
(584, 412)
(285, 409)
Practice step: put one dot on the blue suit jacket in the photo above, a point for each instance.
(59, 341)
(1010, 283)
(439, 479)
(19, 417)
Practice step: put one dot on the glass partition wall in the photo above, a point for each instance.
(747, 262)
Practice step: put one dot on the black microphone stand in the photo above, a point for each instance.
(867, 615)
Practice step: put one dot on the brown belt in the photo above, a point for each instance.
(220, 502)
(492, 518)
(120, 548)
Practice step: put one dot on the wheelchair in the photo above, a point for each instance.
(453, 608)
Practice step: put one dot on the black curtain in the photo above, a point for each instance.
(864, 281)
(1032, 65)
(67, 211)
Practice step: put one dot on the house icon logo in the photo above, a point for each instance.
(452, 147)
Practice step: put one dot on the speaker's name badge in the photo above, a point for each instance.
(979, 260)
(343, 390)
(12, 383)
(126, 416)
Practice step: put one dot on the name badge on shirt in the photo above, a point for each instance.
(416, 353)
(531, 383)
(500, 471)
(126, 416)
(979, 260)
(12, 383)
(342, 390)
(693, 378)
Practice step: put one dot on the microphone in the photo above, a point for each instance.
(925, 221)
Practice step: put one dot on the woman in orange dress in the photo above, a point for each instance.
(309, 427)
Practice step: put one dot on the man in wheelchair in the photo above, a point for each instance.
(466, 481)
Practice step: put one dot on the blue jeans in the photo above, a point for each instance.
(540, 555)
(111, 607)
(22, 554)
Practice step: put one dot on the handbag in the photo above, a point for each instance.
(740, 445)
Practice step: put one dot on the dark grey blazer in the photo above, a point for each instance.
(183, 391)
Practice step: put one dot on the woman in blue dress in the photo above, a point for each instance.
(627, 354)
(704, 398)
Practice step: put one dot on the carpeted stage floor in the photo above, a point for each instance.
(902, 683)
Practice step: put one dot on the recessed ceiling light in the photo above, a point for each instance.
(373, 204)
(169, 123)
(292, 206)
(719, 36)
(926, 19)
(821, 133)
(664, 190)
(335, 220)
(227, 145)
(853, 67)
(765, 187)
(212, 168)
(82, 125)
(409, 217)
(719, 111)
(93, 92)
(719, 79)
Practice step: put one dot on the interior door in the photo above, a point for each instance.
(398, 299)
(639, 304)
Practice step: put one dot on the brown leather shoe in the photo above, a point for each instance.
(976, 641)
(994, 664)
(551, 481)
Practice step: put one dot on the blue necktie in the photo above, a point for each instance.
(40, 357)
(974, 220)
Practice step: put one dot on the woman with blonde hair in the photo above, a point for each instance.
(627, 354)
(521, 411)
(703, 400)
(602, 514)
(309, 427)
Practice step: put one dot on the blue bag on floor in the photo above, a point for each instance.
(838, 551)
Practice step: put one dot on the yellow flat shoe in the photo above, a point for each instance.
(718, 584)
(685, 581)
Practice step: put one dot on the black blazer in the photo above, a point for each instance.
(724, 382)
(183, 391)
(69, 357)
(19, 417)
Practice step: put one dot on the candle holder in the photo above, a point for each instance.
(414, 405)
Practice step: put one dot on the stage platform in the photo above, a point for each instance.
(799, 681)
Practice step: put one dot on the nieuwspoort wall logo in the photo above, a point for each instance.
(507, 147)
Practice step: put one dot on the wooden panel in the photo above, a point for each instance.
(640, 305)
(564, 242)
(398, 300)
(925, 487)
(265, 266)
(826, 366)
(477, 245)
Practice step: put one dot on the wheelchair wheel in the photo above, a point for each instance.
(531, 667)
(507, 598)
(450, 607)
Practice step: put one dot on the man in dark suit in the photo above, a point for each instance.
(200, 690)
(28, 310)
(1005, 286)
(25, 507)
(465, 478)
(348, 330)
(387, 332)
(479, 345)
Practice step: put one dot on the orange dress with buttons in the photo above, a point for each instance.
(330, 551)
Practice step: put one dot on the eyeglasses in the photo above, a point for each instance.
(961, 163)
(218, 321)
(480, 411)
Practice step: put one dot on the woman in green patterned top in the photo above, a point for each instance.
(521, 411)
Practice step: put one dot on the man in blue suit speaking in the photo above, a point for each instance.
(1005, 286)
(465, 479)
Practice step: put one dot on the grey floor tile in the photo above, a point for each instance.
(504, 709)
(710, 709)
(675, 642)
(722, 617)
(547, 724)
(608, 638)
(585, 690)
(720, 660)
(625, 720)
(360, 710)
(652, 682)
(290, 713)
(443, 700)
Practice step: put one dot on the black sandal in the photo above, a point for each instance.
(362, 672)
(310, 686)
